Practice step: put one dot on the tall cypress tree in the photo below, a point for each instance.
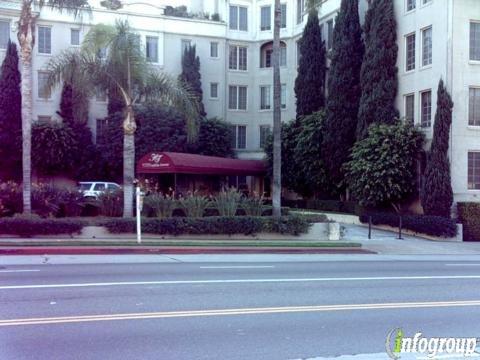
(378, 76)
(191, 75)
(343, 90)
(310, 81)
(66, 103)
(10, 114)
(437, 194)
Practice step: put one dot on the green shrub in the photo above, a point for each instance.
(161, 205)
(46, 200)
(430, 225)
(110, 203)
(27, 226)
(10, 198)
(215, 225)
(194, 205)
(347, 207)
(227, 202)
(253, 205)
(469, 216)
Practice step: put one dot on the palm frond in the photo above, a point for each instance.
(73, 7)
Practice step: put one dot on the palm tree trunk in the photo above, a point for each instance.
(128, 162)
(277, 125)
(26, 31)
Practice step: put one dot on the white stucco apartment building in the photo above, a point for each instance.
(436, 39)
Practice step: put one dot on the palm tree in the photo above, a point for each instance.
(277, 122)
(26, 39)
(123, 66)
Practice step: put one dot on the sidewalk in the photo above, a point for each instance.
(387, 243)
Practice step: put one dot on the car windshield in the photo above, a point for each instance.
(85, 187)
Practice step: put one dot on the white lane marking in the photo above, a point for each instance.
(237, 281)
(462, 264)
(13, 271)
(239, 267)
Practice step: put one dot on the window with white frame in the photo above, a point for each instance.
(238, 18)
(214, 90)
(410, 108)
(237, 97)
(283, 16)
(43, 91)
(265, 18)
(44, 40)
(239, 136)
(237, 59)
(264, 133)
(474, 170)
(475, 41)
(265, 97)
(101, 128)
(214, 49)
(4, 33)
(300, 10)
(427, 46)
(74, 37)
(329, 34)
(411, 5)
(474, 107)
(100, 95)
(426, 108)
(152, 49)
(266, 55)
(425, 2)
(283, 96)
(410, 52)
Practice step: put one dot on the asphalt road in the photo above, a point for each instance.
(255, 310)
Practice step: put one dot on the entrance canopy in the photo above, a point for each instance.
(181, 163)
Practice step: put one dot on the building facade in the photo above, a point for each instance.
(436, 39)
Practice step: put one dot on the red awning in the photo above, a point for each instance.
(181, 163)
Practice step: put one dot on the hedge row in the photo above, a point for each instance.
(337, 206)
(469, 216)
(214, 225)
(30, 226)
(429, 225)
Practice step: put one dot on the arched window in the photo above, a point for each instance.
(266, 52)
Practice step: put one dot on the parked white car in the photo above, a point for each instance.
(93, 189)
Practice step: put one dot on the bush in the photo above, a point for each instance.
(194, 205)
(161, 205)
(227, 202)
(469, 216)
(10, 199)
(346, 207)
(430, 225)
(253, 205)
(27, 226)
(110, 203)
(217, 225)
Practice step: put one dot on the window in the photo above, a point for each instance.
(265, 18)
(425, 2)
(411, 4)
(237, 97)
(4, 33)
(239, 136)
(475, 41)
(283, 96)
(474, 107)
(214, 90)
(43, 91)
(44, 118)
(102, 125)
(74, 37)
(427, 46)
(237, 59)
(100, 95)
(329, 34)
(238, 18)
(474, 170)
(410, 52)
(426, 106)
(186, 44)
(266, 52)
(283, 16)
(264, 132)
(300, 10)
(152, 49)
(410, 108)
(44, 40)
(265, 97)
(214, 49)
